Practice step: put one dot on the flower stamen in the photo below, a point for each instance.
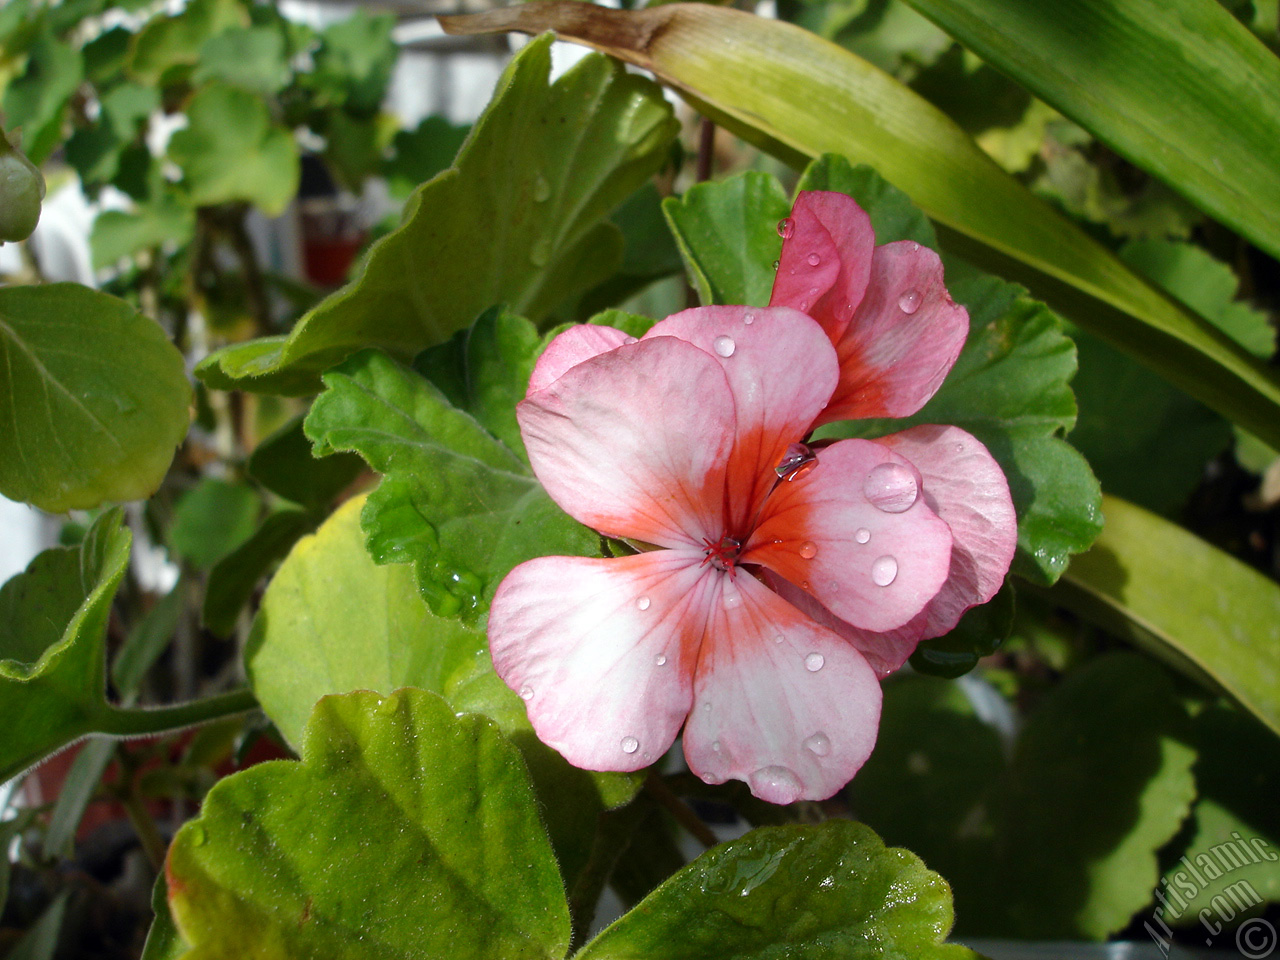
(722, 554)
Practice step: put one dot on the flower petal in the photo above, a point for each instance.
(825, 263)
(781, 369)
(634, 442)
(854, 533)
(884, 652)
(603, 651)
(965, 486)
(779, 701)
(904, 338)
(575, 345)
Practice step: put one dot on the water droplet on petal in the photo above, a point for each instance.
(786, 227)
(630, 340)
(798, 461)
(660, 659)
(541, 189)
(819, 744)
(891, 487)
(643, 603)
(630, 744)
(776, 785)
(813, 662)
(778, 638)
(808, 550)
(909, 302)
(715, 746)
(748, 318)
(863, 535)
(526, 692)
(732, 598)
(884, 571)
(724, 346)
(915, 247)
(775, 265)
(814, 259)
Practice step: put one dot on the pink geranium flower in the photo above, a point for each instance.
(774, 584)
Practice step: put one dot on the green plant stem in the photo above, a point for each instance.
(126, 793)
(147, 721)
(657, 788)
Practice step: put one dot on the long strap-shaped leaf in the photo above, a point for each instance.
(1179, 87)
(1185, 601)
(799, 96)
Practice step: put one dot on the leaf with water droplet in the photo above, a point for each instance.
(804, 892)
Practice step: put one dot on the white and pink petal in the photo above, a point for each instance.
(603, 652)
(575, 345)
(779, 701)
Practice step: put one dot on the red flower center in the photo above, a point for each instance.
(722, 554)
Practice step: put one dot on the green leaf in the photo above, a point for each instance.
(1159, 81)
(354, 62)
(248, 57)
(234, 578)
(40, 942)
(53, 626)
(797, 891)
(419, 154)
(166, 43)
(456, 502)
(117, 234)
(211, 519)
(37, 100)
(93, 398)
(521, 227)
(285, 465)
(727, 234)
(799, 96)
(431, 817)
(1026, 857)
(1193, 606)
(649, 252)
(148, 639)
(374, 633)
(163, 940)
(231, 151)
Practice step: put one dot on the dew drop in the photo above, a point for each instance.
(818, 744)
(389, 706)
(541, 189)
(808, 550)
(732, 598)
(884, 571)
(909, 302)
(630, 744)
(798, 461)
(643, 603)
(776, 785)
(526, 692)
(814, 259)
(748, 318)
(715, 746)
(776, 263)
(915, 247)
(724, 346)
(786, 227)
(198, 835)
(813, 662)
(778, 638)
(863, 535)
(660, 659)
(630, 340)
(891, 487)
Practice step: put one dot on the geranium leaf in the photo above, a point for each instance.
(53, 627)
(796, 891)
(234, 578)
(93, 398)
(522, 227)
(232, 151)
(36, 101)
(212, 519)
(249, 57)
(175, 41)
(456, 502)
(285, 465)
(431, 817)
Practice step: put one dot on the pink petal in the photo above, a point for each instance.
(855, 534)
(603, 651)
(904, 338)
(884, 652)
(826, 262)
(779, 701)
(965, 486)
(781, 369)
(633, 442)
(576, 344)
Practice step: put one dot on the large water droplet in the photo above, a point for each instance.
(643, 603)
(891, 487)
(630, 744)
(819, 744)
(724, 346)
(796, 462)
(526, 692)
(884, 571)
(541, 189)
(776, 785)
(808, 550)
(814, 259)
(909, 302)
(660, 659)
(863, 535)
(813, 662)
(786, 227)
